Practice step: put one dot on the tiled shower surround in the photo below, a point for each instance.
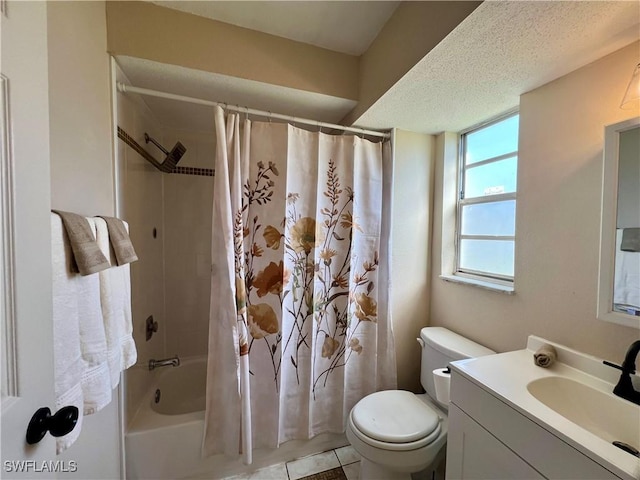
(207, 172)
(140, 202)
(188, 202)
(170, 223)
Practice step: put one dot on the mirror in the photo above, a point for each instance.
(619, 282)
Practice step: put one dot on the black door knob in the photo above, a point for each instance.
(57, 425)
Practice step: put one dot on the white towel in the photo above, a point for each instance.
(78, 324)
(115, 299)
(626, 285)
(68, 363)
(96, 384)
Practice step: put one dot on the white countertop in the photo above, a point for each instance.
(506, 376)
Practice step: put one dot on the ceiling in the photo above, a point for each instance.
(500, 51)
(347, 27)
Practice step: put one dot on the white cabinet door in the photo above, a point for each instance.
(25, 246)
(473, 453)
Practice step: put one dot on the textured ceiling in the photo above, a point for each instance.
(347, 27)
(502, 50)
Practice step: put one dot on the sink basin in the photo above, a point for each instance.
(605, 415)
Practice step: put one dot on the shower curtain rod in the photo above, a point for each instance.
(249, 111)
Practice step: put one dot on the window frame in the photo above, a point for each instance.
(461, 202)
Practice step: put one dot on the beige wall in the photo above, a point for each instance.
(80, 109)
(81, 173)
(558, 222)
(411, 230)
(144, 30)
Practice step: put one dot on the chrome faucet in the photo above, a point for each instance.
(174, 362)
(624, 388)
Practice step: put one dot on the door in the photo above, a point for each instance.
(25, 246)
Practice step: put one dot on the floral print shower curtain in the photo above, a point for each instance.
(300, 325)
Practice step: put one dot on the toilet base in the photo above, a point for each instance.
(370, 470)
(373, 471)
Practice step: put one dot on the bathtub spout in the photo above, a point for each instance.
(174, 362)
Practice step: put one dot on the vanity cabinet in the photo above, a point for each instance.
(475, 453)
(488, 439)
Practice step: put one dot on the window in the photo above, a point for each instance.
(486, 207)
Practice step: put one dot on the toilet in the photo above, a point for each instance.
(398, 433)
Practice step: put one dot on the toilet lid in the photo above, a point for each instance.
(394, 416)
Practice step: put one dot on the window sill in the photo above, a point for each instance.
(496, 287)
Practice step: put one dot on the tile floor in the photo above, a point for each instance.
(339, 464)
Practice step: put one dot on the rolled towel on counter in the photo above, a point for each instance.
(545, 356)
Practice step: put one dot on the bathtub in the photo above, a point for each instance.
(164, 439)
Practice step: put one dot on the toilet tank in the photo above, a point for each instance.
(442, 346)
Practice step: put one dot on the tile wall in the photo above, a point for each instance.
(188, 198)
(140, 202)
(171, 280)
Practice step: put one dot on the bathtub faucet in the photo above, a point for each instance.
(174, 362)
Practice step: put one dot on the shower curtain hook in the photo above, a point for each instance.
(319, 127)
(247, 112)
(269, 116)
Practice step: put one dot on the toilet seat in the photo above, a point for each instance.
(394, 420)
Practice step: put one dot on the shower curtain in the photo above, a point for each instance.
(300, 325)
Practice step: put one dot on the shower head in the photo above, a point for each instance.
(172, 158)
